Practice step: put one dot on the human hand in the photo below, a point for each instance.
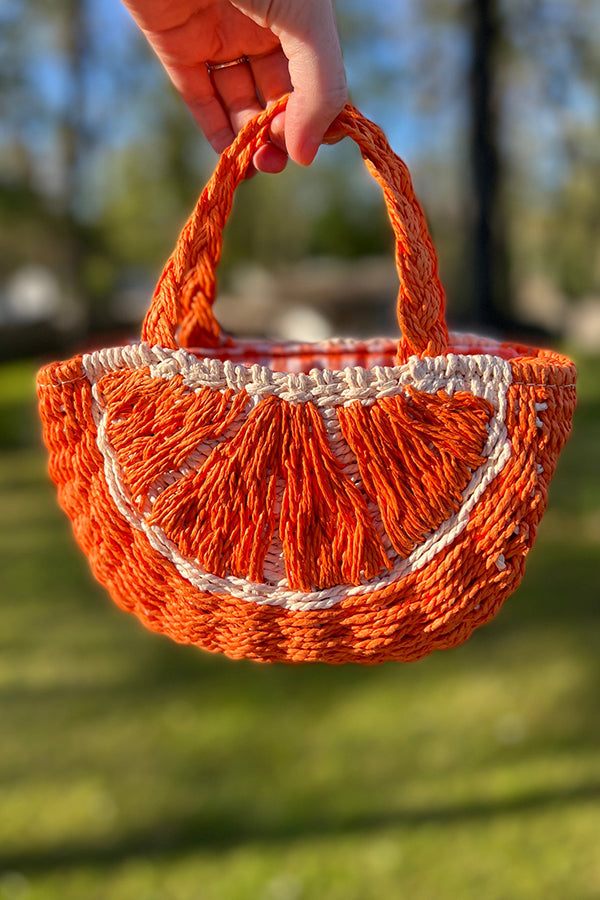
(287, 45)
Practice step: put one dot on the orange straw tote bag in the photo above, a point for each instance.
(339, 501)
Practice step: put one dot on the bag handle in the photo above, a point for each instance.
(181, 312)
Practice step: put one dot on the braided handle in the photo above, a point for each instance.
(181, 312)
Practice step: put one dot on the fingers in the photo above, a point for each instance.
(272, 80)
(270, 159)
(287, 47)
(195, 85)
(222, 100)
(236, 90)
(271, 75)
(318, 78)
(245, 90)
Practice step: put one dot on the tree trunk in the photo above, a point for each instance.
(74, 145)
(488, 240)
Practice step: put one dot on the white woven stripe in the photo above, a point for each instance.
(477, 374)
(483, 376)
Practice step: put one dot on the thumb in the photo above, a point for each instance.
(318, 79)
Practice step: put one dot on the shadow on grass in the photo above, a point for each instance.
(221, 833)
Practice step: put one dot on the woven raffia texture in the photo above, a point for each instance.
(343, 501)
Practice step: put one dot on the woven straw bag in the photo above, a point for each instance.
(340, 501)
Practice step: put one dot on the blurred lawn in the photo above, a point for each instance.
(135, 769)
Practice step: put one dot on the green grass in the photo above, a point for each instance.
(135, 769)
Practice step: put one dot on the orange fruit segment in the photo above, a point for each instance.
(223, 514)
(416, 453)
(154, 425)
(328, 535)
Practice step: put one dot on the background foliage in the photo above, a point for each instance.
(100, 163)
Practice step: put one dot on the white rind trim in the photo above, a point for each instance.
(484, 376)
(478, 374)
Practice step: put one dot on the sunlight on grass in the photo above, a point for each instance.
(136, 769)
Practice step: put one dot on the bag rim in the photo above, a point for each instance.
(243, 355)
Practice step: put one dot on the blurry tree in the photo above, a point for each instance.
(70, 75)
(42, 146)
(489, 257)
(497, 109)
(100, 163)
(552, 111)
(74, 141)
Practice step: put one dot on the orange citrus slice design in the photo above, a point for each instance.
(263, 482)
(362, 514)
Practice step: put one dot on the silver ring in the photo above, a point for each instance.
(240, 61)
